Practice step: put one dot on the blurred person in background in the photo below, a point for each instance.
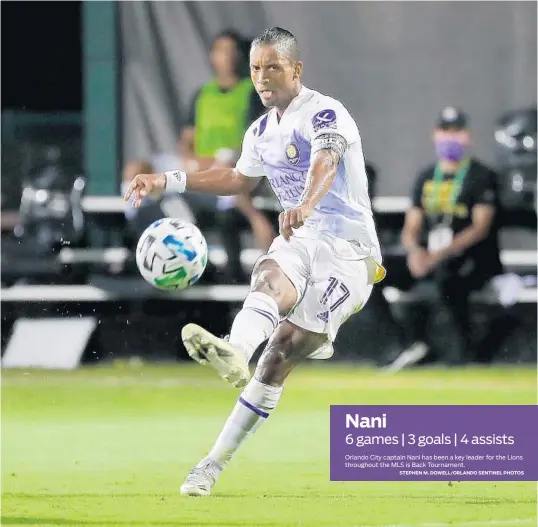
(219, 115)
(222, 108)
(451, 237)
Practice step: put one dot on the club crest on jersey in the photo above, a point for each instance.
(292, 153)
(324, 119)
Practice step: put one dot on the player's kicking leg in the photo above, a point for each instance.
(287, 346)
(272, 296)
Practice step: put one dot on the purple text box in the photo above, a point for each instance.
(434, 443)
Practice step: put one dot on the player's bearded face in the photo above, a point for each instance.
(274, 76)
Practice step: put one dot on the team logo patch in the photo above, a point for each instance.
(292, 153)
(324, 119)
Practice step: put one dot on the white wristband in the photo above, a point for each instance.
(176, 181)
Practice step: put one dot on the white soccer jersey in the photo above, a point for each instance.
(281, 151)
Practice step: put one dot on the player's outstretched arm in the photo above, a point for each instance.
(218, 181)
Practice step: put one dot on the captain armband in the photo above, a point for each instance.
(330, 141)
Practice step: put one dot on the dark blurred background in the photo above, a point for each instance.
(51, 58)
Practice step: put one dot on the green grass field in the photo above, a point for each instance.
(110, 446)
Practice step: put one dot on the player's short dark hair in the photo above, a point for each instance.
(282, 38)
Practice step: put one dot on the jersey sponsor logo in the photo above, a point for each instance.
(324, 119)
(292, 153)
(288, 186)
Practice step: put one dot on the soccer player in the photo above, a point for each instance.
(318, 272)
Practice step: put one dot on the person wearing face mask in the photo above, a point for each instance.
(451, 234)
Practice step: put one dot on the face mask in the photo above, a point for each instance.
(450, 150)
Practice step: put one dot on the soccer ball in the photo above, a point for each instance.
(171, 254)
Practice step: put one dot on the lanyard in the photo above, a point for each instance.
(438, 177)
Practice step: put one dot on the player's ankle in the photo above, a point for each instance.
(213, 463)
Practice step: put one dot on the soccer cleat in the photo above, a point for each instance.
(325, 351)
(207, 349)
(201, 479)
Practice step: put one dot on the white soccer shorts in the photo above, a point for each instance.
(332, 281)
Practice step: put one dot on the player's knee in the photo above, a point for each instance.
(267, 281)
(273, 282)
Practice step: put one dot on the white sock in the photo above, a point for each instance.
(255, 323)
(253, 407)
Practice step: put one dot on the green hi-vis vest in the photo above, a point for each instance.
(221, 117)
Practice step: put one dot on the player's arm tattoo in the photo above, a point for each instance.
(327, 150)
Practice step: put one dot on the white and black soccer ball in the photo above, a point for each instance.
(171, 254)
